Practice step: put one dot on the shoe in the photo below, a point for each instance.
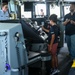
(55, 71)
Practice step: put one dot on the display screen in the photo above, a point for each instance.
(5, 1)
(28, 6)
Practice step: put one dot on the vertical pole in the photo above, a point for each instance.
(33, 11)
(61, 10)
(1, 3)
(48, 9)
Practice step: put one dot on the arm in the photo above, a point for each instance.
(46, 30)
(52, 41)
(72, 22)
(66, 21)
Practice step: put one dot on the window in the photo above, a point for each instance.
(55, 10)
(28, 6)
(38, 7)
(66, 10)
(26, 14)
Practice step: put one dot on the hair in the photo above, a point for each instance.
(41, 9)
(73, 3)
(3, 4)
(53, 17)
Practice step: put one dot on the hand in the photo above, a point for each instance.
(49, 48)
(72, 22)
(67, 20)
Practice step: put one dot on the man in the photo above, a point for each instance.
(69, 22)
(4, 15)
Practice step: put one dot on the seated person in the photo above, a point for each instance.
(4, 15)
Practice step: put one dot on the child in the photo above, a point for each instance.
(53, 42)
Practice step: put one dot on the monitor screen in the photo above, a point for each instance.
(5, 1)
(28, 6)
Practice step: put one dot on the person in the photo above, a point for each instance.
(4, 15)
(46, 28)
(42, 13)
(53, 43)
(69, 22)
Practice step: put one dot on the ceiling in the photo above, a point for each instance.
(42, 0)
(51, 0)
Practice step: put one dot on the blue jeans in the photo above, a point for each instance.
(73, 46)
(70, 40)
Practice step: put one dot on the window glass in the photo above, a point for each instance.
(55, 10)
(38, 8)
(26, 14)
(66, 10)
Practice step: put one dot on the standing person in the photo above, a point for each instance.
(53, 43)
(4, 15)
(42, 13)
(69, 22)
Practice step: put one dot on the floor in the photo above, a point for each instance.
(62, 53)
(63, 61)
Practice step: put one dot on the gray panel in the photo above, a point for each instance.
(39, 47)
(2, 58)
(10, 53)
